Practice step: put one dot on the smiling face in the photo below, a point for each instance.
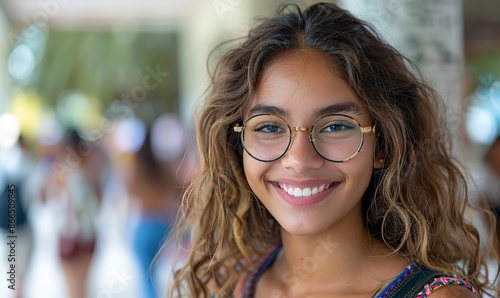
(305, 193)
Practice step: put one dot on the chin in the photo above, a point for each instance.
(301, 228)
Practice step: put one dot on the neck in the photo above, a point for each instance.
(335, 260)
(310, 257)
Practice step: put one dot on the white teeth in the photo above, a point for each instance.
(306, 192)
(314, 191)
(303, 192)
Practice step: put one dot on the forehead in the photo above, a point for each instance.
(304, 82)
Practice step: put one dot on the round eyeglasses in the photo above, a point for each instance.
(335, 137)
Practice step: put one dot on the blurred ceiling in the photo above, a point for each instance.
(105, 13)
(95, 13)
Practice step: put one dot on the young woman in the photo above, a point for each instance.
(325, 172)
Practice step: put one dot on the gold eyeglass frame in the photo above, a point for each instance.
(364, 129)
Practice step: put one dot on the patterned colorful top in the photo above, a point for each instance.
(247, 285)
(433, 285)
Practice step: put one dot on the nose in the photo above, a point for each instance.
(301, 155)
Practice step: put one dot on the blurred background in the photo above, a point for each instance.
(97, 103)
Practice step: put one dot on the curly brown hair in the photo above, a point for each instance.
(415, 204)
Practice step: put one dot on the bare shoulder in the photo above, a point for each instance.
(452, 292)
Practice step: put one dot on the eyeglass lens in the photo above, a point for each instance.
(335, 137)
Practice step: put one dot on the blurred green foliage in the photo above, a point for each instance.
(106, 66)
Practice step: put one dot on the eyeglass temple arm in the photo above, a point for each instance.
(237, 128)
(368, 129)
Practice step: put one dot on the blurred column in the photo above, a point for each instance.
(209, 24)
(430, 32)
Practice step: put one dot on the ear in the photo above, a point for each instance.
(378, 161)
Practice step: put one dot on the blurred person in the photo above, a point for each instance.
(16, 163)
(152, 184)
(74, 183)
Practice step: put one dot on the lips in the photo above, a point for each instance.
(304, 192)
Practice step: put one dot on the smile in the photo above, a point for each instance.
(304, 192)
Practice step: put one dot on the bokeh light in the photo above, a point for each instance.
(481, 125)
(129, 135)
(21, 62)
(10, 129)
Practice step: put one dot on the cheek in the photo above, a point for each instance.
(254, 171)
(367, 152)
(361, 171)
(360, 168)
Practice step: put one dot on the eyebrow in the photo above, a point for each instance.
(331, 109)
(267, 109)
(338, 108)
